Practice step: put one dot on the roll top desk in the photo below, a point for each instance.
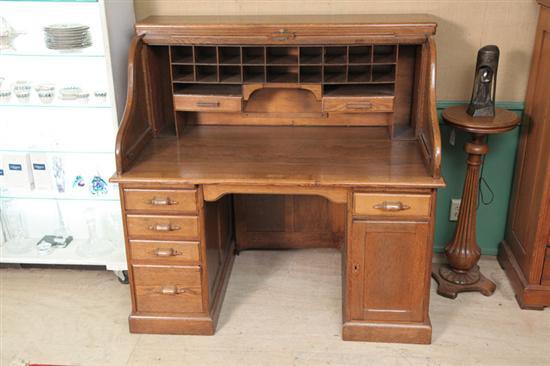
(280, 132)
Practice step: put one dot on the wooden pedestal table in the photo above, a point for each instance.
(462, 273)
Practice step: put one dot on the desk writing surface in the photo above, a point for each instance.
(308, 156)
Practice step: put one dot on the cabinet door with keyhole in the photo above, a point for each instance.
(389, 270)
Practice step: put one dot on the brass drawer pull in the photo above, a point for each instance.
(208, 104)
(166, 252)
(282, 35)
(171, 290)
(391, 206)
(164, 227)
(162, 202)
(365, 105)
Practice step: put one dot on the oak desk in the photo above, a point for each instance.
(280, 132)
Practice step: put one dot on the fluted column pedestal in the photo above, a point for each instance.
(461, 273)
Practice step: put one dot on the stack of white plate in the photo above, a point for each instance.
(67, 36)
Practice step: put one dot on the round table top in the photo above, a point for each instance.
(503, 121)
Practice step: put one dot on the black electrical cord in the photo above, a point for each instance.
(483, 182)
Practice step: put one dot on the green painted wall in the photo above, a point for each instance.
(498, 172)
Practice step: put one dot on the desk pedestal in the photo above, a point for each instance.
(180, 248)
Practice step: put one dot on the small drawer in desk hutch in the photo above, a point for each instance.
(358, 104)
(204, 103)
(172, 252)
(391, 205)
(168, 289)
(161, 200)
(162, 227)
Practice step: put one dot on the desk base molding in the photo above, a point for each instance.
(420, 333)
(171, 324)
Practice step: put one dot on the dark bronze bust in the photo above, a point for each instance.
(482, 103)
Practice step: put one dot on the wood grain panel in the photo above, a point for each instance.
(530, 210)
(213, 192)
(298, 156)
(174, 252)
(134, 131)
(311, 214)
(153, 275)
(167, 289)
(257, 119)
(524, 253)
(161, 200)
(152, 299)
(263, 213)
(379, 285)
(217, 240)
(546, 269)
(365, 204)
(315, 89)
(154, 227)
(404, 92)
(161, 108)
(288, 221)
(312, 29)
(283, 101)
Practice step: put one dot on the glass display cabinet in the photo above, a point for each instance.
(62, 89)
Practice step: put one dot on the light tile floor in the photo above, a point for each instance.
(281, 308)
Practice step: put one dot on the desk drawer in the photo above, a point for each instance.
(161, 200)
(207, 103)
(391, 205)
(162, 227)
(546, 269)
(163, 252)
(168, 289)
(347, 104)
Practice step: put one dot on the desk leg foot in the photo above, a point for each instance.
(451, 283)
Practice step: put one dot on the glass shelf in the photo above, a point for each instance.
(76, 253)
(44, 195)
(45, 53)
(75, 138)
(34, 105)
(59, 198)
(53, 1)
(42, 151)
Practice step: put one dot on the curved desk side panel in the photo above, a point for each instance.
(134, 131)
(428, 124)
